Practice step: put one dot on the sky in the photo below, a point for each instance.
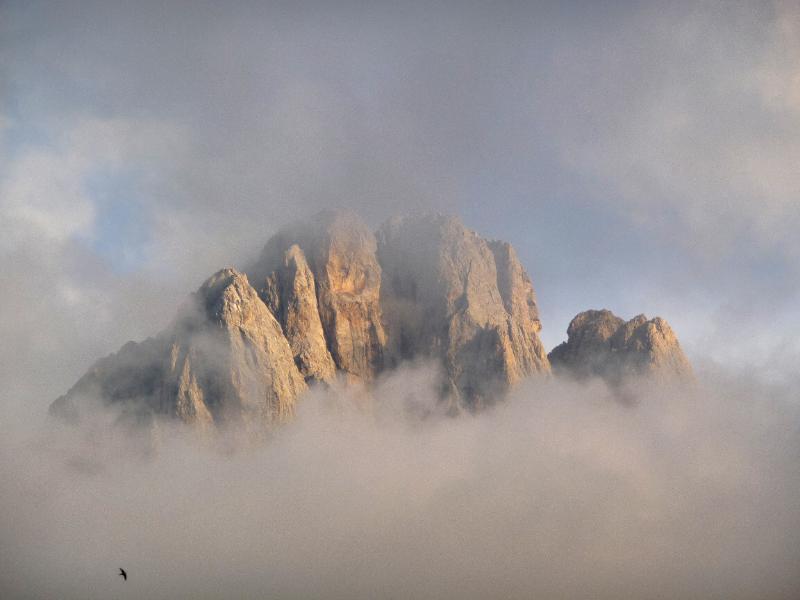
(640, 156)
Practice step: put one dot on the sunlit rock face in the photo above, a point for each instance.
(426, 288)
(339, 249)
(329, 300)
(601, 344)
(224, 361)
(290, 293)
(449, 294)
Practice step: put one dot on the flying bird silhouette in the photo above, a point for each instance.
(123, 574)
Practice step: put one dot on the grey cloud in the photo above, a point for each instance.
(562, 492)
(640, 157)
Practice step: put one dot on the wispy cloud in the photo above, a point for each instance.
(561, 492)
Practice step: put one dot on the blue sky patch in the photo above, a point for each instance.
(122, 224)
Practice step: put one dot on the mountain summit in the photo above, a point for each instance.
(329, 300)
(601, 344)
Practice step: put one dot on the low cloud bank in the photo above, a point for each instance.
(561, 492)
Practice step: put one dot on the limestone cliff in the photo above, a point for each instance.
(451, 295)
(601, 344)
(224, 360)
(519, 300)
(290, 293)
(340, 250)
(329, 298)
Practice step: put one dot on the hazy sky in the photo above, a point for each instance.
(641, 156)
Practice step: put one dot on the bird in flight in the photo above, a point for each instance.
(123, 574)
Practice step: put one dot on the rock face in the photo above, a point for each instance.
(601, 344)
(429, 288)
(519, 300)
(290, 293)
(450, 294)
(329, 299)
(224, 361)
(340, 252)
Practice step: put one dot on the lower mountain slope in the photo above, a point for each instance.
(224, 361)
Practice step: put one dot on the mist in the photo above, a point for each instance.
(561, 492)
(640, 157)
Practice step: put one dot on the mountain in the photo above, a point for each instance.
(601, 344)
(451, 295)
(337, 253)
(423, 287)
(328, 300)
(225, 360)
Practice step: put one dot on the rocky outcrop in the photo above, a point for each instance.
(331, 299)
(131, 379)
(451, 295)
(255, 370)
(431, 288)
(601, 344)
(224, 361)
(340, 250)
(290, 293)
(519, 300)
(588, 349)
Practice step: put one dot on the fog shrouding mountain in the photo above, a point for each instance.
(331, 303)
(559, 492)
(638, 156)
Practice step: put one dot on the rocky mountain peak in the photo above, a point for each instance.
(290, 293)
(450, 294)
(340, 252)
(223, 361)
(601, 344)
(225, 295)
(329, 299)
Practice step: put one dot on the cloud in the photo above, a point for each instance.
(639, 158)
(611, 144)
(45, 191)
(561, 492)
(61, 300)
(691, 117)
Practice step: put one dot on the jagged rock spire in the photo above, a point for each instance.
(452, 295)
(224, 360)
(290, 293)
(340, 251)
